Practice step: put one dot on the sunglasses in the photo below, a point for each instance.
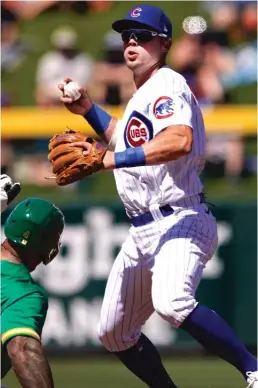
(141, 36)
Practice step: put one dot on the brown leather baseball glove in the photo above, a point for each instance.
(69, 164)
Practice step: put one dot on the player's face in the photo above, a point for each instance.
(32, 260)
(142, 50)
(54, 244)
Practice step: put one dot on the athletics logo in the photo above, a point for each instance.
(138, 130)
(134, 12)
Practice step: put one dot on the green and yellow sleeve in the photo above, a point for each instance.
(25, 317)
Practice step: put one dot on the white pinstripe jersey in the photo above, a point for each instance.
(164, 100)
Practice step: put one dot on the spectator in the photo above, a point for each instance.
(112, 81)
(233, 29)
(244, 69)
(203, 60)
(186, 58)
(225, 156)
(230, 64)
(201, 63)
(14, 48)
(7, 156)
(249, 19)
(29, 10)
(99, 6)
(65, 59)
(6, 98)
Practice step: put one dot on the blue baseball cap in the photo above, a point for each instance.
(145, 16)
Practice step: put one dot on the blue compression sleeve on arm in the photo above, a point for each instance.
(131, 157)
(98, 119)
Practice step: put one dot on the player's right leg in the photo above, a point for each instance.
(126, 306)
(127, 302)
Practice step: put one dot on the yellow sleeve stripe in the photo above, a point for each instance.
(19, 331)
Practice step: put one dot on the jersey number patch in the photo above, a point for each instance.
(138, 130)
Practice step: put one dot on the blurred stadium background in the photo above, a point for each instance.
(44, 41)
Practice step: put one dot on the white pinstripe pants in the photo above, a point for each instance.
(158, 269)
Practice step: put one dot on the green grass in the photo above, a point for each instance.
(108, 373)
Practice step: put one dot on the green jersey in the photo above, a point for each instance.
(24, 306)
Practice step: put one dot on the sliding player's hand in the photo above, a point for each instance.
(9, 190)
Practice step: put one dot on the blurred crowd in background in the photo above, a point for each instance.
(214, 63)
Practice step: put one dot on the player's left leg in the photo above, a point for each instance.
(177, 273)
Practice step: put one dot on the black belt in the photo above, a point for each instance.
(166, 210)
(147, 217)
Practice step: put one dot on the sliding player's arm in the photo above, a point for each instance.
(21, 328)
(29, 362)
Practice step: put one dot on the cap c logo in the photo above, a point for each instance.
(134, 12)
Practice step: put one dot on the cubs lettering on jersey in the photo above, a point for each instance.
(138, 130)
(164, 100)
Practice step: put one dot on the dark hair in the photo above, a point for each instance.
(164, 54)
(217, 37)
(19, 249)
(114, 56)
(7, 16)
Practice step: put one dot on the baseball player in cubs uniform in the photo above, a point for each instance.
(157, 152)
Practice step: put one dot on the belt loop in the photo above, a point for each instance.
(156, 213)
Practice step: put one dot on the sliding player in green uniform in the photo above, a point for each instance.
(32, 231)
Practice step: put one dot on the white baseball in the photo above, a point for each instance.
(194, 24)
(71, 91)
